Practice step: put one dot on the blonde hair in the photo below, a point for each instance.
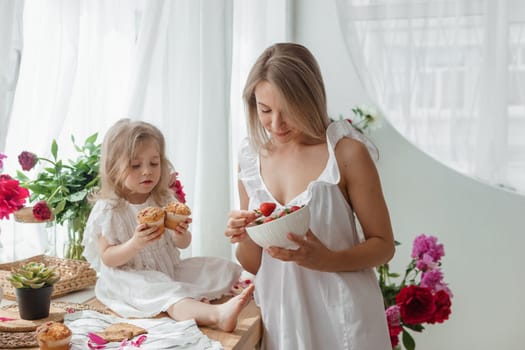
(294, 71)
(119, 148)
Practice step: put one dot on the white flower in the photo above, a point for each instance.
(368, 117)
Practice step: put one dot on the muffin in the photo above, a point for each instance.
(53, 336)
(176, 212)
(152, 216)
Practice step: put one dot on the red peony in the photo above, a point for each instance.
(27, 160)
(443, 303)
(12, 196)
(394, 340)
(416, 304)
(176, 187)
(41, 211)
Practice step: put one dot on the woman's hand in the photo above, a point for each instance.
(236, 225)
(312, 253)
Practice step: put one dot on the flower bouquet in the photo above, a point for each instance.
(64, 187)
(420, 297)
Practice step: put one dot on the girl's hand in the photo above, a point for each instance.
(236, 225)
(182, 227)
(145, 234)
(312, 253)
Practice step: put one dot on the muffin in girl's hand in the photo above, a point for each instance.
(176, 213)
(152, 216)
(53, 336)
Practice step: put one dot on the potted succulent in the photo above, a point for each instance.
(33, 283)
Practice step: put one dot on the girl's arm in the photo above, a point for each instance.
(119, 254)
(248, 253)
(181, 235)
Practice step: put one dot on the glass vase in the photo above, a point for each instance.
(31, 236)
(73, 248)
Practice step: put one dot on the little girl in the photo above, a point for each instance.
(140, 274)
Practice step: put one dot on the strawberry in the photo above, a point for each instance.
(266, 208)
(294, 208)
(268, 219)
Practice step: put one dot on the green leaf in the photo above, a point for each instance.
(408, 341)
(21, 176)
(91, 139)
(60, 207)
(54, 149)
(415, 327)
(77, 196)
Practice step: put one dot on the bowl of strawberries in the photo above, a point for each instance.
(273, 225)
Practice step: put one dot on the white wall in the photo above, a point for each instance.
(481, 227)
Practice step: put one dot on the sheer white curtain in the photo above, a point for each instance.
(449, 75)
(257, 24)
(88, 63)
(11, 44)
(182, 83)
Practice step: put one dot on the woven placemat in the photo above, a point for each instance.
(75, 275)
(26, 339)
(20, 325)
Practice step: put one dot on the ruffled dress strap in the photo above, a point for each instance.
(335, 132)
(249, 168)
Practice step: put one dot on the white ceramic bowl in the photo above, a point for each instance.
(275, 232)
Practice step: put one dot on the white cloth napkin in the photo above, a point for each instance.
(163, 333)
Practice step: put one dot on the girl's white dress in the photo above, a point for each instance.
(307, 309)
(156, 277)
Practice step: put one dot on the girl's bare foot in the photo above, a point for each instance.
(230, 310)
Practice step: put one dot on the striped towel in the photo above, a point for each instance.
(163, 333)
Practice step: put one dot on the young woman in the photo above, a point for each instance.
(325, 294)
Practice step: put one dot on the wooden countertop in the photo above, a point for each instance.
(246, 335)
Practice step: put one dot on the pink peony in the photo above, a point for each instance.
(2, 157)
(41, 211)
(12, 196)
(427, 245)
(426, 263)
(27, 160)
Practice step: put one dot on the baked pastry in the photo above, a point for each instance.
(120, 331)
(176, 212)
(152, 216)
(53, 336)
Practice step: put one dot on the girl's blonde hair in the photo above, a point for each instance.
(119, 148)
(293, 70)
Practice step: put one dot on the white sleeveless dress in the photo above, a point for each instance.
(306, 309)
(156, 277)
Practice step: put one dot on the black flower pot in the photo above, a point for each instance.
(33, 304)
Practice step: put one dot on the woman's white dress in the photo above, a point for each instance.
(307, 309)
(156, 277)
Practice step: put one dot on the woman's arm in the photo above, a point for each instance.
(361, 187)
(248, 253)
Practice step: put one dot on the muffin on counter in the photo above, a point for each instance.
(53, 336)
